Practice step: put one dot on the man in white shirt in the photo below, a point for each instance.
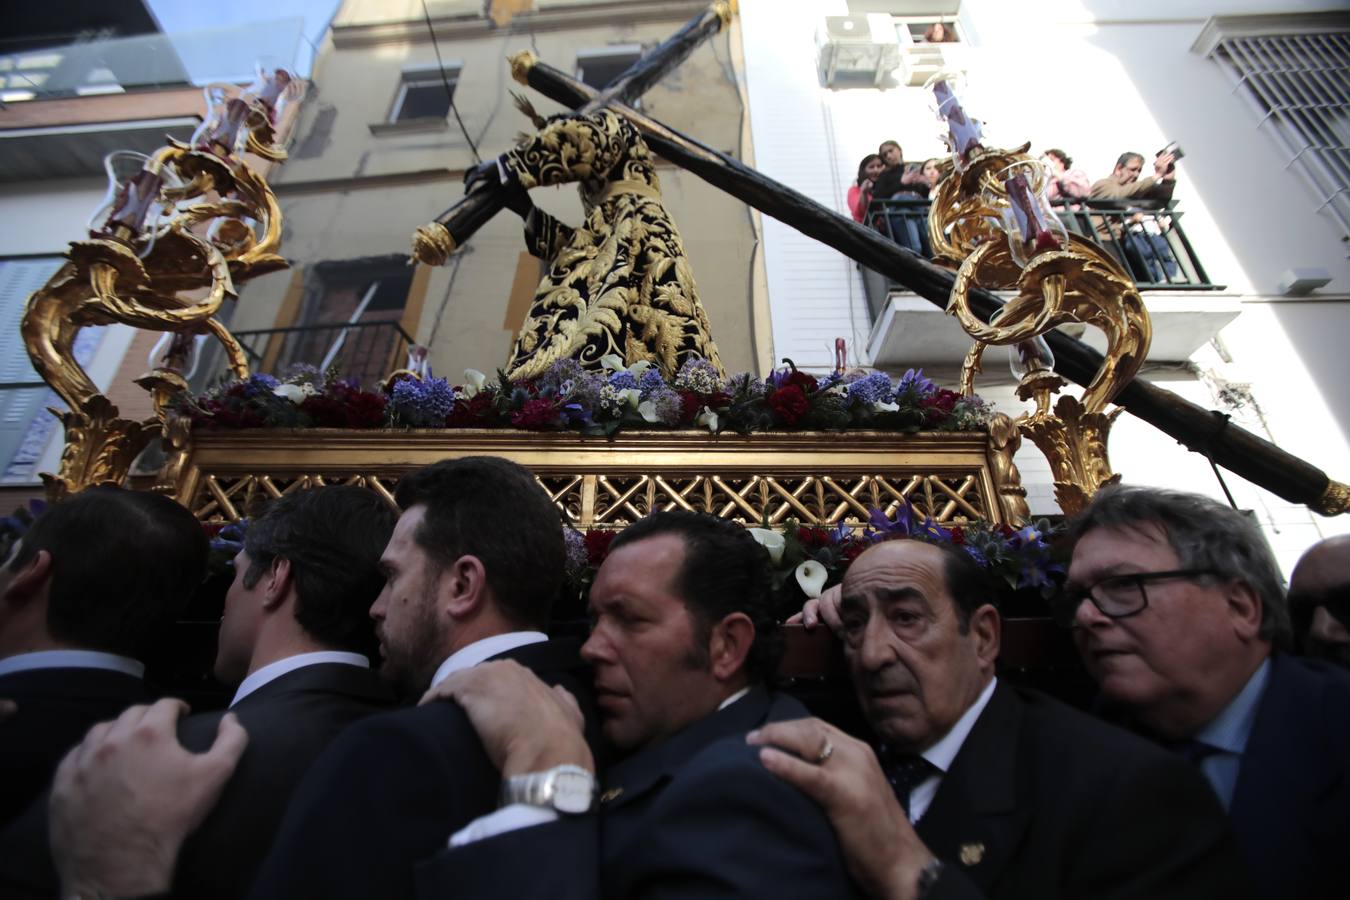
(979, 789)
(296, 637)
(471, 573)
(95, 580)
(682, 643)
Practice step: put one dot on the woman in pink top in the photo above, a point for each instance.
(860, 193)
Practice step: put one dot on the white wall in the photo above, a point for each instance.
(42, 217)
(1094, 77)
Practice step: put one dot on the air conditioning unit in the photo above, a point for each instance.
(854, 47)
(919, 62)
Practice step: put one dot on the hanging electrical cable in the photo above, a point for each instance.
(445, 79)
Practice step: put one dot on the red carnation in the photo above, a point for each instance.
(535, 414)
(597, 545)
(690, 403)
(853, 550)
(789, 404)
(813, 538)
(958, 536)
(1005, 529)
(802, 380)
(940, 405)
(470, 413)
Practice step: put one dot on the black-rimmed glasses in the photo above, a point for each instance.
(1116, 596)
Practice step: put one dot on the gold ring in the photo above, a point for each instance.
(825, 752)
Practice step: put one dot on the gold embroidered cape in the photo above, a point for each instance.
(619, 284)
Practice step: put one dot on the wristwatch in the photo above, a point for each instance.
(567, 789)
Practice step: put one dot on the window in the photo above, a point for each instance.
(350, 318)
(423, 94)
(600, 68)
(1296, 85)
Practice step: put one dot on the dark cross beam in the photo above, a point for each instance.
(1201, 430)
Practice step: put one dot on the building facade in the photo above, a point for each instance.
(400, 109)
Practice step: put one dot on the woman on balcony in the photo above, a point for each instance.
(860, 192)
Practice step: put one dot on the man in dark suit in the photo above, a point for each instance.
(472, 570)
(1178, 612)
(93, 582)
(295, 637)
(992, 791)
(681, 644)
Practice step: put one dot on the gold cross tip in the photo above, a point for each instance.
(971, 854)
(521, 64)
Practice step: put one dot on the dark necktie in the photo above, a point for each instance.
(905, 773)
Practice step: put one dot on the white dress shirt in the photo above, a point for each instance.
(71, 659)
(943, 754)
(273, 671)
(480, 651)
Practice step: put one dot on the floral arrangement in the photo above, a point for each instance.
(15, 525)
(568, 397)
(225, 540)
(808, 559)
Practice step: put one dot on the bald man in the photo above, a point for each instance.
(1319, 600)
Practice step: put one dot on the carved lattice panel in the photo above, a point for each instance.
(813, 479)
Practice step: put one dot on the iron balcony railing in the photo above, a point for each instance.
(1149, 243)
(365, 351)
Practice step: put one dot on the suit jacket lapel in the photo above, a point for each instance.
(1282, 773)
(974, 822)
(650, 767)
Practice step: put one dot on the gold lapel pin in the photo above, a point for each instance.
(611, 794)
(971, 854)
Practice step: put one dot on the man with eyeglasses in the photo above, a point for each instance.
(1177, 609)
(1319, 600)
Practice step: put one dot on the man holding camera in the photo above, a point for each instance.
(1140, 240)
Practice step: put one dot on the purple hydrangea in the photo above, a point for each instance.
(562, 372)
(651, 382)
(422, 404)
(623, 381)
(872, 388)
(260, 384)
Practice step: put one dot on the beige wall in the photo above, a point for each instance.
(348, 192)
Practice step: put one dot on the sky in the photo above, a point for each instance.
(185, 16)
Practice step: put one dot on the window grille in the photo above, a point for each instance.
(1299, 86)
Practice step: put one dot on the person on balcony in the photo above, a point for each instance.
(1139, 238)
(860, 192)
(898, 181)
(1063, 182)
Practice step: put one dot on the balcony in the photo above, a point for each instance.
(63, 108)
(365, 351)
(1151, 245)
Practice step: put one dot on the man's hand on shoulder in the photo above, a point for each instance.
(883, 853)
(525, 725)
(822, 609)
(124, 800)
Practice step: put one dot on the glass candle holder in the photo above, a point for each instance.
(131, 207)
(1026, 357)
(963, 132)
(1027, 218)
(223, 130)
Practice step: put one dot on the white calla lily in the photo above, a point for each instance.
(707, 418)
(812, 576)
(631, 396)
(292, 392)
(473, 383)
(639, 367)
(880, 406)
(647, 409)
(612, 361)
(771, 541)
